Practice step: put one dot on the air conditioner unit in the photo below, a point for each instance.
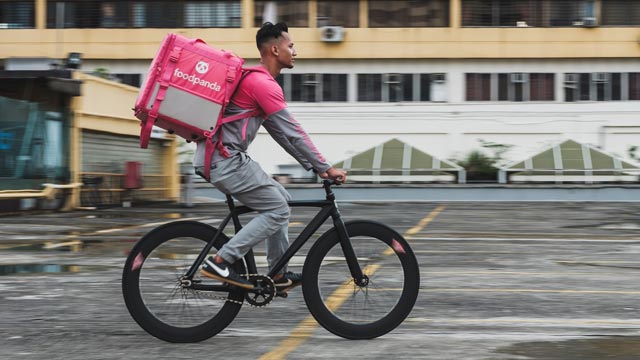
(600, 77)
(589, 22)
(570, 78)
(518, 78)
(438, 78)
(332, 33)
(392, 78)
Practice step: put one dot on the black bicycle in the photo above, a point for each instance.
(360, 278)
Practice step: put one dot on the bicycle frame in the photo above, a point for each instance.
(328, 208)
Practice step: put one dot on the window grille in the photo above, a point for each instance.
(314, 87)
(510, 87)
(406, 13)
(620, 12)
(143, 14)
(345, 13)
(478, 87)
(294, 13)
(17, 15)
(494, 13)
(529, 13)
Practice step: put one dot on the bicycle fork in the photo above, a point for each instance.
(351, 257)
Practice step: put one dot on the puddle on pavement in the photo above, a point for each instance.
(595, 348)
(122, 215)
(24, 269)
(100, 247)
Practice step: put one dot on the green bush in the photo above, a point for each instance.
(479, 167)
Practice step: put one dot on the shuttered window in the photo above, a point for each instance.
(143, 14)
(496, 13)
(17, 14)
(344, 13)
(405, 13)
(620, 12)
(294, 13)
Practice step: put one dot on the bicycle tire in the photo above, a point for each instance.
(151, 269)
(346, 309)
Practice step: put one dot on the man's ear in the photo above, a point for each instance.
(274, 49)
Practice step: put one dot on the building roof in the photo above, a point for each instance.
(395, 160)
(572, 158)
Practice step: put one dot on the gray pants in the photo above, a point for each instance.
(244, 179)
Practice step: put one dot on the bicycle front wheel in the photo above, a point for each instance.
(379, 306)
(155, 295)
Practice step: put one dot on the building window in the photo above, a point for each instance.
(294, 13)
(620, 12)
(139, 14)
(401, 87)
(478, 87)
(510, 87)
(334, 87)
(408, 13)
(570, 12)
(344, 13)
(314, 87)
(528, 13)
(634, 86)
(129, 79)
(596, 87)
(202, 14)
(156, 15)
(541, 87)
(17, 15)
(494, 13)
(369, 87)
(398, 87)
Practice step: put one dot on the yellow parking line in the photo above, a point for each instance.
(619, 292)
(525, 321)
(424, 222)
(113, 230)
(305, 329)
(547, 291)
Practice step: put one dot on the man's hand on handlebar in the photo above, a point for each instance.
(337, 175)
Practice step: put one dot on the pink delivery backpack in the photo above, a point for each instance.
(187, 89)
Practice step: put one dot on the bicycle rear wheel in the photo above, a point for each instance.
(361, 312)
(153, 292)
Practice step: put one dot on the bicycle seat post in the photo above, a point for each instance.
(230, 203)
(234, 217)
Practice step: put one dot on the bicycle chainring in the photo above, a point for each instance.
(265, 292)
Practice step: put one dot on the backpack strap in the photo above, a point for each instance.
(211, 146)
(147, 125)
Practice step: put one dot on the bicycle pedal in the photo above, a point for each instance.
(282, 294)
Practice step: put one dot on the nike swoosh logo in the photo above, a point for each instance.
(224, 273)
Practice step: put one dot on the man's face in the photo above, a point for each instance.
(285, 51)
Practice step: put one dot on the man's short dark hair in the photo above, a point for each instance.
(270, 31)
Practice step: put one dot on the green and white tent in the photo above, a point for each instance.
(570, 161)
(396, 161)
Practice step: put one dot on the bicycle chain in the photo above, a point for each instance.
(216, 297)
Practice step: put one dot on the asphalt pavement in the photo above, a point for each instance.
(516, 280)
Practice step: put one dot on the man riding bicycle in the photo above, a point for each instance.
(243, 178)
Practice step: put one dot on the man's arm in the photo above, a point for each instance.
(287, 132)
